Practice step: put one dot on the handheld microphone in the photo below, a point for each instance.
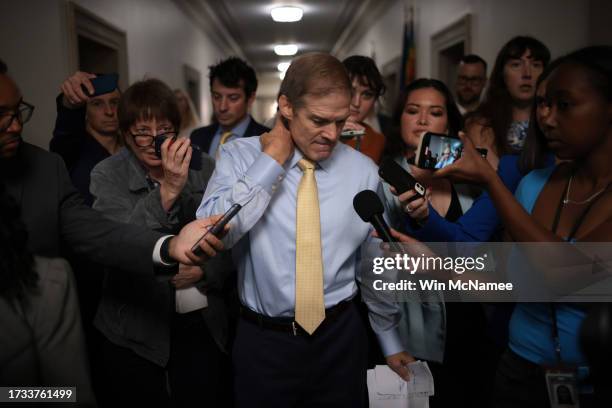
(370, 209)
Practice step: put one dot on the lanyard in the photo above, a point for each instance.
(572, 234)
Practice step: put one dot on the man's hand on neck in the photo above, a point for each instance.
(277, 143)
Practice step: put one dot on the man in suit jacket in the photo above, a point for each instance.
(54, 212)
(233, 85)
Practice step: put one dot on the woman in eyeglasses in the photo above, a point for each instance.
(158, 332)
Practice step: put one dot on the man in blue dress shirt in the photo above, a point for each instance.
(278, 359)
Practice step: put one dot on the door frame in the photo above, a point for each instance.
(82, 22)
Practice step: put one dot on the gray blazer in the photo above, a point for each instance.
(41, 339)
(135, 312)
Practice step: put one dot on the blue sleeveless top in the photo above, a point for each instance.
(531, 324)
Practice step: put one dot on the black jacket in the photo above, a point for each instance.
(53, 212)
(80, 150)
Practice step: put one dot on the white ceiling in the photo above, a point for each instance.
(245, 28)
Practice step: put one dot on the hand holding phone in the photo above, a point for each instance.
(400, 179)
(217, 227)
(436, 151)
(104, 84)
(81, 86)
(196, 152)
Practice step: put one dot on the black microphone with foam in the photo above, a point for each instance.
(368, 206)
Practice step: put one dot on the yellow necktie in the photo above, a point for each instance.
(309, 304)
(224, 137)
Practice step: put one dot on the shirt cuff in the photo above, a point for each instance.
(157, 258)
(390, 342)
(266, 172)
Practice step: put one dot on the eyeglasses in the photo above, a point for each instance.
(473, 81)
(23, 114)
(147, 139)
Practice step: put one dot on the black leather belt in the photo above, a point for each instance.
(288, 324)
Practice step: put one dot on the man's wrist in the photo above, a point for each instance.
(164, 251)
(277, 155)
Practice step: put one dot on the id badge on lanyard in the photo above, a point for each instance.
(562, 388)
(561, 379)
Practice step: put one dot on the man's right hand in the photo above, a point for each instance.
(74, 96)
(399, 363)
(277, 143)
(180, 245)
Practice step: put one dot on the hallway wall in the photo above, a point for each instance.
(160, 39)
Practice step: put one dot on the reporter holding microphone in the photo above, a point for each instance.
(295, 244)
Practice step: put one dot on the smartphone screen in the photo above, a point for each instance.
(437, 151)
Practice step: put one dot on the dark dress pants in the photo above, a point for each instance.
(277, 369)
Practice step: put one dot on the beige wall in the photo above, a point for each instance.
(160, 39)
(561, 24)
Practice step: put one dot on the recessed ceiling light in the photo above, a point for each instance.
(286, 14)
(286, 49)
(283, 66)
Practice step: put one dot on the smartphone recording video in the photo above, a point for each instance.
(437, 151)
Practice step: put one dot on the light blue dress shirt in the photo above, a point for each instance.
(262, 235)
(237, 131)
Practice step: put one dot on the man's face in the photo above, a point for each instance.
(471, 79)
(230, 105)
(102, 113)
(10, 138)
(316, 125)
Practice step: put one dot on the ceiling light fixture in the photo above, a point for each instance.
(283, 66)
(286, 49)
(281, 75)
(286, 14)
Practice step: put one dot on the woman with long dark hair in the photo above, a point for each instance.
(447, 335)
(500, 123)
(427, 106)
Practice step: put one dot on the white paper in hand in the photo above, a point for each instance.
(387, 390)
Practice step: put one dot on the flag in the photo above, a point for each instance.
(408, 62)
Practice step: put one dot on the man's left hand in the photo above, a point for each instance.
(187, 276)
